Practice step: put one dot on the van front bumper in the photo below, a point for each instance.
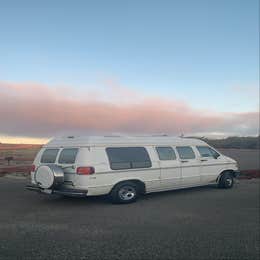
(59, 191)
(236, 173)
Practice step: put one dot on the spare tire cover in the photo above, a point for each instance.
(47, 176)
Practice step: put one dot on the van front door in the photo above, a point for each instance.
(211, 164)
(190, 167)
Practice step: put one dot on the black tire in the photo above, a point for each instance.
(124, 192)
(226, 181)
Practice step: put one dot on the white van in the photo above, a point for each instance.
(124, 167)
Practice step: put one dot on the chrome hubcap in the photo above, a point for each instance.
(127, 193)
(229, 181)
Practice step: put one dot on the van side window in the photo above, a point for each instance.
(166, 153)
(68, 155)
(185, 152)
(128, 158)
(49, 156)
(206, 151)
(214, 153)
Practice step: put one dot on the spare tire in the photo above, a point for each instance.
(49, 176)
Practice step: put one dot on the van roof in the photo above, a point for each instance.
(81, 141)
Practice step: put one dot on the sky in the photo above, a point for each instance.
(131, 67)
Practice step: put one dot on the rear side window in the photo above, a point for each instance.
(166, 153)
(128, 158)
(68, 155)
(185, 152)
(49, 156)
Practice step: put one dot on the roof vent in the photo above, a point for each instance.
(160, 135)
(112, 136)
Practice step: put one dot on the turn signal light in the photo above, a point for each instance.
(85, 170)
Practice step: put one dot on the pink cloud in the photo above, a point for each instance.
(32, 109)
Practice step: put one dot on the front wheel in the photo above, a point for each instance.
(226, 181)
(125, 192)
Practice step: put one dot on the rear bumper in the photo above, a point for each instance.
(61, 191)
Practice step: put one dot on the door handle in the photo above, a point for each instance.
(203, 160)
(183, 161)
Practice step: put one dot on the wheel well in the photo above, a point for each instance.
(138, 183)
(224, 172)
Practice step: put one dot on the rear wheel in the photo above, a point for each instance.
(125, 192)
(226, 181)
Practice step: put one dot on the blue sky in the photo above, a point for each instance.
(204, 52)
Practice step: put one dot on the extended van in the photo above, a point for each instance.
(125, 167)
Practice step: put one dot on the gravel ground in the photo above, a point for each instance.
(199, 223)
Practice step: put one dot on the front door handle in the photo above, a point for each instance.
(183, 161)
(203, 160)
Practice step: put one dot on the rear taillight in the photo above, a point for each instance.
(33, 167)
(85, 170)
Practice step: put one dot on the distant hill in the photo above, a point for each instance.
(4, 146)
(234, 142)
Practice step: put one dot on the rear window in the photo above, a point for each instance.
(185, 152)
(166, 153)
(68, 155)
(49, 156)
(128, 158)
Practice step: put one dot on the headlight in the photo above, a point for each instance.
(236, 165)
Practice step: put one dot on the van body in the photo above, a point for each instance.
(125, 167)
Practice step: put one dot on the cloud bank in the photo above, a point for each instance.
(36, 110)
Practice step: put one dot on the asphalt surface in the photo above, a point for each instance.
(199, 223)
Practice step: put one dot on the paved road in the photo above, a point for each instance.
(200, 223)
